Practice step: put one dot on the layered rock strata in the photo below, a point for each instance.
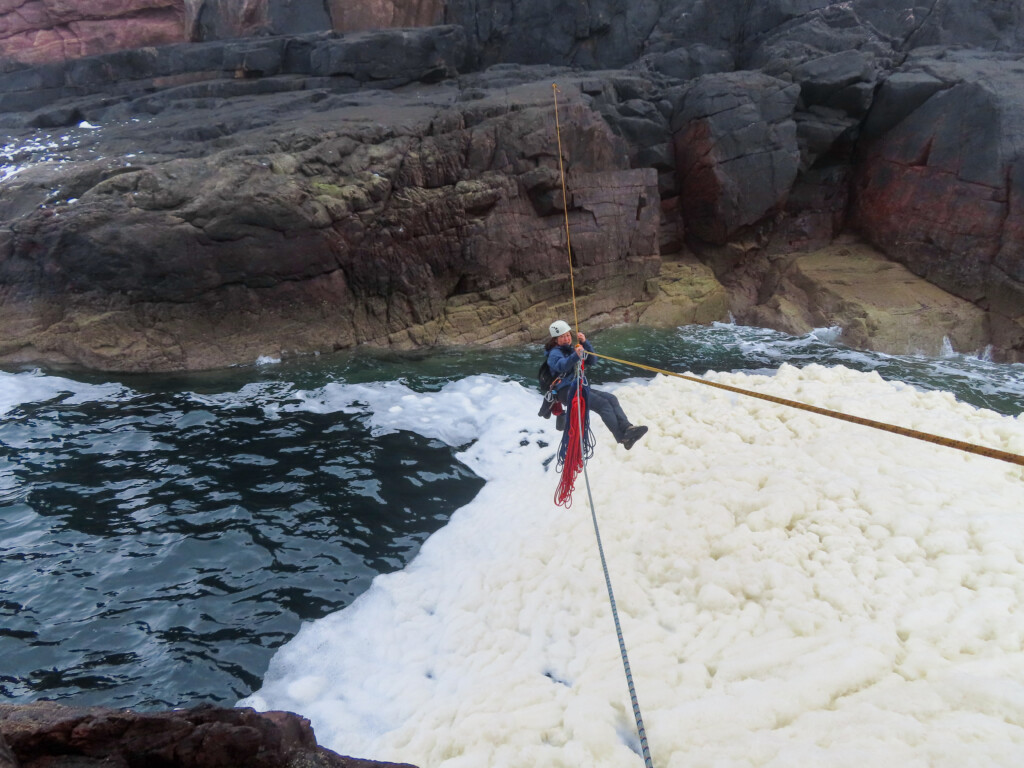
(412, 220)
(315, 191)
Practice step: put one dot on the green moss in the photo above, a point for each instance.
(323, 188)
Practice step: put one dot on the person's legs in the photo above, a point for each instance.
(607, 407)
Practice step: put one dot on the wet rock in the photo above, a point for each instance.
(879, 305)
(335, 188)
(7, 758)
(46, 734)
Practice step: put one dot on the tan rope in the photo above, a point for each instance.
(565, 208)
(960, 445)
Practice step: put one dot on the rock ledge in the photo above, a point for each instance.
(56, 736)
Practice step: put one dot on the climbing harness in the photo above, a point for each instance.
(577, 445)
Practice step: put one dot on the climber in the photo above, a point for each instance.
(561, 361)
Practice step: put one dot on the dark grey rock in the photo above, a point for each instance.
(428, 55)
(257, 58)
(940, 190)
(7, 758)
(899, 95)
(688, 62)
(57, 736)
(820, 79)
(736, 151)
(818, 130)
(339, 219)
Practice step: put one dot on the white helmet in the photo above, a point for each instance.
(559, 327)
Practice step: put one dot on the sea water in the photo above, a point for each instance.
(792, 589)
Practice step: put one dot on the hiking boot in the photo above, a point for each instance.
(632, 435)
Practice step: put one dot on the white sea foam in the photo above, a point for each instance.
(34, 387)
(793, 590)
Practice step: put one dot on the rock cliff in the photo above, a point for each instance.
(279, 182)
(308, 221)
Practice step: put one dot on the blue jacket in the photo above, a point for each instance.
(562, 362)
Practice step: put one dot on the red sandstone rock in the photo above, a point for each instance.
(40, 31)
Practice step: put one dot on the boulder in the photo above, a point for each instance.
(50, 735)
(736, 151)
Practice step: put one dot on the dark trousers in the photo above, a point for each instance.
(606, 406)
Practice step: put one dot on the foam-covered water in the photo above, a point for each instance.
(793, 590)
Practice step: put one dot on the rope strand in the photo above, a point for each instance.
(565, 209)
(641, 731)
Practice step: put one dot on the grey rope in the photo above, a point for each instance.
(641, 731)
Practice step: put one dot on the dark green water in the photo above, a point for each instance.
(161, 536)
